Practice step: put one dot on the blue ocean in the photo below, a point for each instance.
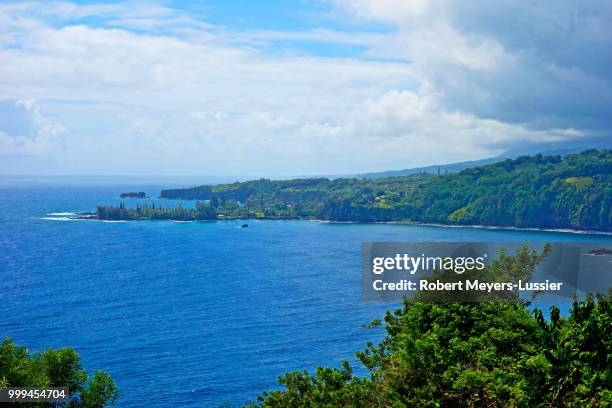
(190, 314)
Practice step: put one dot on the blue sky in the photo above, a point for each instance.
(283, 88)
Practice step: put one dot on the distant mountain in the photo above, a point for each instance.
(547, 149)
(559, 148)
(434, 169)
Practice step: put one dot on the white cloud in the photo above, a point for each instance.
(544, 64)
(38, 137)
(152, 89)
(393, 11)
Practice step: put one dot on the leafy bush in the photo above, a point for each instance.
(55, 368)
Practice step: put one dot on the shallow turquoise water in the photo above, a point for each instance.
(191, 314)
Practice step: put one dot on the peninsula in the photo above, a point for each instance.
(574, 192)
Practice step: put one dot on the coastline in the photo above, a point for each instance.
(89, 217)
(475, 226)
(499, 227)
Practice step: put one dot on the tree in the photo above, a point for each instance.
(214, 201)
(55, 368)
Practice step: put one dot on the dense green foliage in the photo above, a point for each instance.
(304, 198)
(491, 354)
(538, 191)
(146, 212)
(315, 190)
(55, 368)
(530, 191)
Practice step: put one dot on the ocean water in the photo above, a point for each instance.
(190, 314)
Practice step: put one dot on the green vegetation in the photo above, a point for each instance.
(491, 354)
(304, 198)
(55, 368)
(286, 199)
(531, 191)
(538, 191)
(146, 212)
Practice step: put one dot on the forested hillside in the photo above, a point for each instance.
(313, 191)
(530, 191)
(537, 191)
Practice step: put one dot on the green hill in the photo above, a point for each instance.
(531, 191)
